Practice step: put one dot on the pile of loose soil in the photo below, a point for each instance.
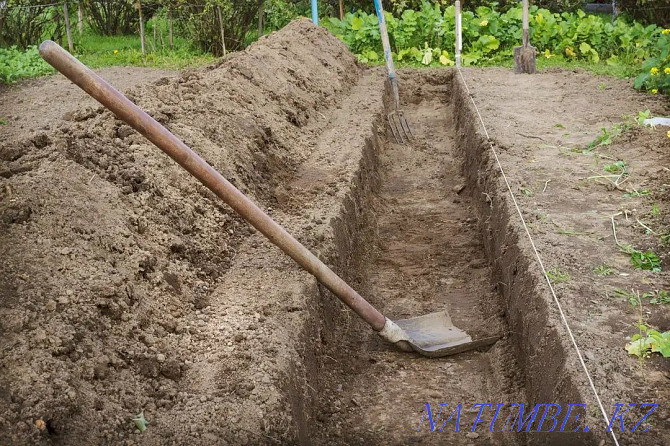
(109, 252)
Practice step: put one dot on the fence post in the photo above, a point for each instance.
(341, 10)
(170, 25)
(67, 28)
(459, 43)
(80, 18)
(223, 41)
(139, 8)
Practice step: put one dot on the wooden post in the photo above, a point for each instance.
(170, 27)
(80, 18)
(153, 47)
(260, 18)
(459, 42)
(223, 40)
(139, 8)
(341, 10)
(67, 28)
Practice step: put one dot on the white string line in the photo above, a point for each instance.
(539, 261)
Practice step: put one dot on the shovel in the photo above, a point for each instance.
(524, 56)
(431, 335)
(399, 125)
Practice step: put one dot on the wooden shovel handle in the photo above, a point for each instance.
(114, 100)
(526, 26)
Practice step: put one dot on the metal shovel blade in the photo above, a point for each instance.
(524, 59)
(434, 335)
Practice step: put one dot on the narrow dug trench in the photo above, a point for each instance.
(426, 254)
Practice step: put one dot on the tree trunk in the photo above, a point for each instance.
(66, 14)
(139, 8)
(170, 26)
(80, 19)
(260, 18)
(223, 40)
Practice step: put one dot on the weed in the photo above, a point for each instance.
(560, 126)
(557, 276)
(602, 86)
(644, 260)
(630, 296)
(658, 297)
(3, 121)
(603, 270)
(637, 193)
(655, 210)
(648, 341)
(618, 168)
(527, 192)
(642, 116)
(607, 136)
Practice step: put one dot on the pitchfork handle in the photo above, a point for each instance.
(114, 100)
(386, 45)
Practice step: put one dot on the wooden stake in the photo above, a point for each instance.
(70, 46)
(223, 41)
(80, 18)
(170, 24)
(139, 8)
(341, 10)
(153, 47)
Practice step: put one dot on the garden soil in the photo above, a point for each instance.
(127, 288)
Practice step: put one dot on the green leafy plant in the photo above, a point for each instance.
(644, 260)
(557, 276)
(642, 116)
(603, 270)
(140, 421)
(648, 341)
(16, 64)
(658, 297)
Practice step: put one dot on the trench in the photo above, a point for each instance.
(427, 229)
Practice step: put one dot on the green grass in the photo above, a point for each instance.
(103, 51)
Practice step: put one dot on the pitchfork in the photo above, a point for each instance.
(399, 125)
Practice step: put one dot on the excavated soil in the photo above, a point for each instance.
(126, 286)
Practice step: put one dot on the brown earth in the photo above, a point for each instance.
(125, 286)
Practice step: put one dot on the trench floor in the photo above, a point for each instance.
(427, 257)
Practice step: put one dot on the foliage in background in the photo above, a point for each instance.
(25, 22)
(16, 64)
(647, 11)
(426, 37)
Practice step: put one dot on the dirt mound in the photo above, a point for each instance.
(106, 245)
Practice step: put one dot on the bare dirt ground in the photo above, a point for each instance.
(127, 287)
(41, 104)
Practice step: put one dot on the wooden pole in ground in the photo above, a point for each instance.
(260, 18)
(223, 40)
(341, 10)
(459, 43)
(80, 18)
(139, 8)
(153, 47)
(170, 27)
(70, 46)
